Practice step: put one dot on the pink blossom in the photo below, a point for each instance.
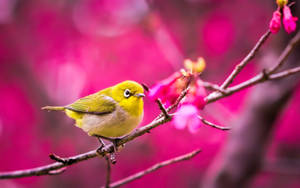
(275, 22)
(196, 95)
(289, 21)
(167, 90)
(187, 116)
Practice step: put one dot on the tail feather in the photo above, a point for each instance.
(56, 108)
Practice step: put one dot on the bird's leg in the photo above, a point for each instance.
(114, 141)
(99, 150)
(101, 142)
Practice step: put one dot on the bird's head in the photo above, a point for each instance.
(129, 95)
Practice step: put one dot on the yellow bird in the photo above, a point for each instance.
(110, 113)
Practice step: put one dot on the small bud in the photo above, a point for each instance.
(289, 21)
(195, 67)
(281, 3)
(275, 22)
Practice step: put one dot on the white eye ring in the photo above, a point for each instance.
(127, 93)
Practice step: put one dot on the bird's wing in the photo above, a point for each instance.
(93, 104)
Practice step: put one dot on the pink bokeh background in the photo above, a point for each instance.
(53, 52)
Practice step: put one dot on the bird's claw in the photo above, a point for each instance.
(112, 154)
(100, 149)
(113, 158)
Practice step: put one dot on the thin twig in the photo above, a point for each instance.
(162, 108)
(263, 76)
(58, 171)
(213, 87)
(284, 73)
(154, 168)
(213, 125)
(108, 173)
(245, 61)
(47, 169)
(57, 158)
(288, 49)
(179, 99)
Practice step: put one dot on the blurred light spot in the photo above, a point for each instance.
(108, 17)
(6, 10)
(68, 84)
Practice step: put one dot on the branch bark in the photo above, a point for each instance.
(263, 76)
(154, 168)
(246, 60)
(108, 172)
(64, 162)
(213, 125)
(242, 156)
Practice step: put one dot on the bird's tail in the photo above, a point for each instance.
(56, 108)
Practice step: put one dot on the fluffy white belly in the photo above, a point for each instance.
(115, 124)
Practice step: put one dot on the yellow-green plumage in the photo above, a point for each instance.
(109, 112)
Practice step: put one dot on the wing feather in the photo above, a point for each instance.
(93, 104)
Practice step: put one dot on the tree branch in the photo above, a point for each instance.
(48, 169)
(173, 106)
(213, 125)
(285, 53)
(284, 73)
(154, 168)
(263, 76)
(108, 172)
(245, 61)
(213, 87)
(63, 162)
(162, 108)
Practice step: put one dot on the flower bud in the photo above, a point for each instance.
(195, 67)
(275, 22)
(168, 90)
(289, 21)
(281, 3)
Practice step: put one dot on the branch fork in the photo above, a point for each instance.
(65, 161)
(163, 109)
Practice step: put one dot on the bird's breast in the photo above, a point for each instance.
(115, 124)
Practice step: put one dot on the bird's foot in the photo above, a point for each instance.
(112, 154)
(115, 142)
(100, 148)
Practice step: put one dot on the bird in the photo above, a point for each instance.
(109, 114)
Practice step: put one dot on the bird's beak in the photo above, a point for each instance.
(140, 95)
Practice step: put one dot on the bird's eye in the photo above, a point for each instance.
(127, 93)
